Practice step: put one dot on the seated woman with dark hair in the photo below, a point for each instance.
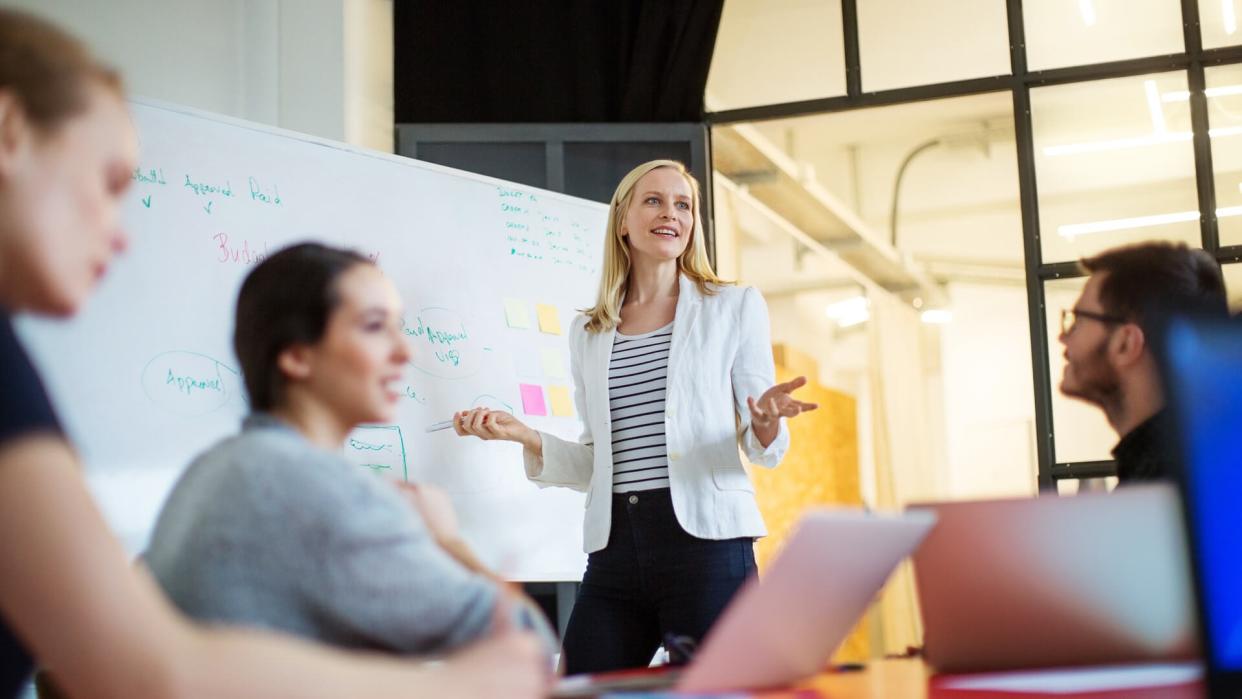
(70, 600)
(273, 527)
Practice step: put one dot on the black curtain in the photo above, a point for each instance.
(481, 61)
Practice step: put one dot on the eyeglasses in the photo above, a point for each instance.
(1069, 319)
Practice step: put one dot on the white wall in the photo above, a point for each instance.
(989, 402)
(322, 67)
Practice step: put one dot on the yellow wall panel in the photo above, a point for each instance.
(821, 468)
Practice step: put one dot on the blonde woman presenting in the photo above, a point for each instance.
(672, 372)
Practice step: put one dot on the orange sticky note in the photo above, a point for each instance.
(561, 405)
(549, 319)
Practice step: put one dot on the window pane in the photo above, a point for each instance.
(905, 43)
(1233, 286)
(1082, 432)
(592, 170)
(1115, 165)
(1224, 98)
(1078, 32)
(959, 219)
(772, 51)
(1218, 20)
(517, 162)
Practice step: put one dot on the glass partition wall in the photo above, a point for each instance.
(990, 145)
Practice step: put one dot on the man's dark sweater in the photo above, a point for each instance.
(1148, 452)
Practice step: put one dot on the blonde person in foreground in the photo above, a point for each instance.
(672, 372)
(70, 601)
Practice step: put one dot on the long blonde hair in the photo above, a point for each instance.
(693, 262)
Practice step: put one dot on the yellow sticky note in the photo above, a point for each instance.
(553, 367)
(516, 314)
(561, 405)
(549, 319)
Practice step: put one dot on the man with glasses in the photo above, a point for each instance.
(1108, 338)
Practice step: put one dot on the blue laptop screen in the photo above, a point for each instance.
(1206, 366)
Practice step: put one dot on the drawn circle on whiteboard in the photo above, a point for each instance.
(188, 383)
(443, 345)
(491, 402)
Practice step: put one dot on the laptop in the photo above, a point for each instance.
(784, 627)
(1203, 371)
(1085, 580)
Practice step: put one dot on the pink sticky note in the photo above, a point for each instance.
(532, 400)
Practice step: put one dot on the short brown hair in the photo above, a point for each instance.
(47, 69)
(1158, 277)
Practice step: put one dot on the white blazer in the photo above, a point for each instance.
(720, 355)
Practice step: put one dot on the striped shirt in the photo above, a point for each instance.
(637, 379)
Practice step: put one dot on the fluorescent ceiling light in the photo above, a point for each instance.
(937, 316)
(1154, 106)
(1220, 91)
(1087, 9)
(1155, 139)
(1227, 14)
(1118, 143)
(1073, 230)
(1160, 134)
(849, 312)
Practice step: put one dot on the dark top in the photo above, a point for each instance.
(24, 408)
(1148, 452)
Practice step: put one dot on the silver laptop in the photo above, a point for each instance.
(785, 627)
(1053, 581)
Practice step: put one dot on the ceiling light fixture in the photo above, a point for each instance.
(1155, 139)
(1219, 91)
(1154, 107)
(1073, 230)
(1161, 135)
(1117, 143)
(1087, 9)
(849, 312)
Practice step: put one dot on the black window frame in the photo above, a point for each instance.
(1194, 60)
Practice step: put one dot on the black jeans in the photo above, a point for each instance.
(653, 578)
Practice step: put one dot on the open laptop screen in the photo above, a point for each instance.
(1205, 377)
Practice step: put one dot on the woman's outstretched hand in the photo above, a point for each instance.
(767, 410)
(496, 424)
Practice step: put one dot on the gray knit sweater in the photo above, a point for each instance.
(265, 529)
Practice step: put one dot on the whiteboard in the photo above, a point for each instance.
(145, 378)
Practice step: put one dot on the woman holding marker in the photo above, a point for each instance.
(672, 372)
(69, 598)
